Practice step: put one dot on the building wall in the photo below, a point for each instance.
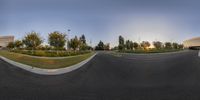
(4, 40)
(194, 42)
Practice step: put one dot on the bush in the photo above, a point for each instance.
(39, 53)
(49, 53)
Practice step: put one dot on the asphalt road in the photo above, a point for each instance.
(110, 76)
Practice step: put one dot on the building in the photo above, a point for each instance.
(4, 40)
(193, 43)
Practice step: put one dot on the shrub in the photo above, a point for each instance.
(49, 53)
(39, 53)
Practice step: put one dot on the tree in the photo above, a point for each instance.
(168, 45)
(121, 47)
(47, 47)
(121, 43)
(135, 45)
(100, 46)
(114, 48)
(82, 39)
(128, 44)
(175, 45)
(57, 40)
(145, 44)
(131, 45)
(107, 46)
(32, 40)
(90, 48)
(180, 46)
(83, 44)
(74, 43)
(11, 45)
(157, 44)
(18, 44)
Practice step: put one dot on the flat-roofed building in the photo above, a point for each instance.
(192, 43)
(4, 40)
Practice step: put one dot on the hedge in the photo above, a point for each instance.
(50, 53)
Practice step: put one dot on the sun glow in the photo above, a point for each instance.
(147, 29)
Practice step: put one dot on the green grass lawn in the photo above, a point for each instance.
(45, 63)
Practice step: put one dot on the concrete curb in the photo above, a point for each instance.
(47, 71)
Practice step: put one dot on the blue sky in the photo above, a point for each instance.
(137, 20)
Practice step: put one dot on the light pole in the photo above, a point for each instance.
(68, 31)
(68, 40)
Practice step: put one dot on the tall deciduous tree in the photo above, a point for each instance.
(74, 43)
(131, 45)
(82, 39)
(18, 44)
(107, 46)
(145, 44)
(32, 40)
(180, 46)
(121, 43)
(128, 44)
(11, 45)
(168, 45)
(157, 44)
(135, 45)
(100, 46)
(175, 45)
(83, 44)
(57, 40)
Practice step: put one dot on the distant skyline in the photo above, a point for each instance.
(137, 20)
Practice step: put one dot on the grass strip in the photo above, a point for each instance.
(45, 63)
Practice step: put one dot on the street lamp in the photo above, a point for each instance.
(68, 31)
